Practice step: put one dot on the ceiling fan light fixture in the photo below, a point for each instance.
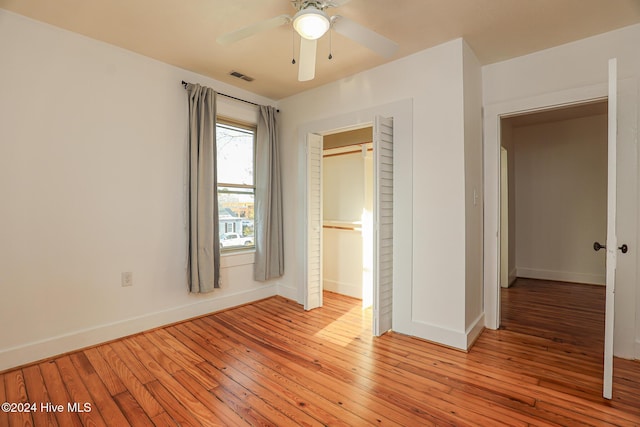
(311, 23)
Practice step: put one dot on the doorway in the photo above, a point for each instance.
(393, 262)
(554, 167)
(553, 196)
(383, 223)
(347, 225)
(554, 179)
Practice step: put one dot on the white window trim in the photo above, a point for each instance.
(236, 251)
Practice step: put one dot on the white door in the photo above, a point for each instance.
(383, 225)
(313, 288)
(504, 218)
(612, 240)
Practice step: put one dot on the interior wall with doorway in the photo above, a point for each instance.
(432, 298)
(563, 75)
(557, 193)
(347, 214)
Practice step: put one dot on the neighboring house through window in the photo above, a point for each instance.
(236, 183)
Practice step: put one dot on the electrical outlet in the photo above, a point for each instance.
(127, 278)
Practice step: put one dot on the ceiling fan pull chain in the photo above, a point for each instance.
(330, 46)
(293, 46)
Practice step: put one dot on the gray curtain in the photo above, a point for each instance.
(269, 258)
(204, 242)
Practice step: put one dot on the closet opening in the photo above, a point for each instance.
(347, 214)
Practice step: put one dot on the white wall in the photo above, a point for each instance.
(342, 261)
(571, 73)
(343, 187)
(429, 181)
(472, 75)
(561, 199)
(92, 184)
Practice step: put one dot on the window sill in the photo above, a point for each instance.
(237, 258)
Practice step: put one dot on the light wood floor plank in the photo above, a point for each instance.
(78, 393)
(174, 406)
(157, 363)
(16, 392)
(136, 416)
(58, 393)
(4, 416)
(38, 394)
(222, 411)
(102, 368)
(134, 387)
(104, 402)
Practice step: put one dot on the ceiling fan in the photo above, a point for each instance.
(311, 22)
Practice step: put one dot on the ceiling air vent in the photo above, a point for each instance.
(241, 76)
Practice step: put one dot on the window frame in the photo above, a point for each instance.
(238, 188)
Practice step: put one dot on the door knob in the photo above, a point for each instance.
(597, 246)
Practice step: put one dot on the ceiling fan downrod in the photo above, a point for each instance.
(304, 4)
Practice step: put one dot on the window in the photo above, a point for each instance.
(236, 184)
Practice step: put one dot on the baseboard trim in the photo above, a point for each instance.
(342, 288)
(288, 293)
(513, 275)
(636, 356)
(474, 331)
(49, 347)
(447, 337)
(560, 276)
(436, 334)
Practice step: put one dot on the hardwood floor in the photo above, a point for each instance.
(271, 363)
(564, 312)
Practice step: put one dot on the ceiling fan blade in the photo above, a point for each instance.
(250, 30)
(307, 66)
(366, 37)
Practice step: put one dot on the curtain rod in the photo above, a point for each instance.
(229, 96)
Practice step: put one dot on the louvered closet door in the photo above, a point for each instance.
(313, 290)
(383, 227)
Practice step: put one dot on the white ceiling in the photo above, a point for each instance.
(183, 32)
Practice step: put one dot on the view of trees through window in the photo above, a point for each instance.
(236, 185)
